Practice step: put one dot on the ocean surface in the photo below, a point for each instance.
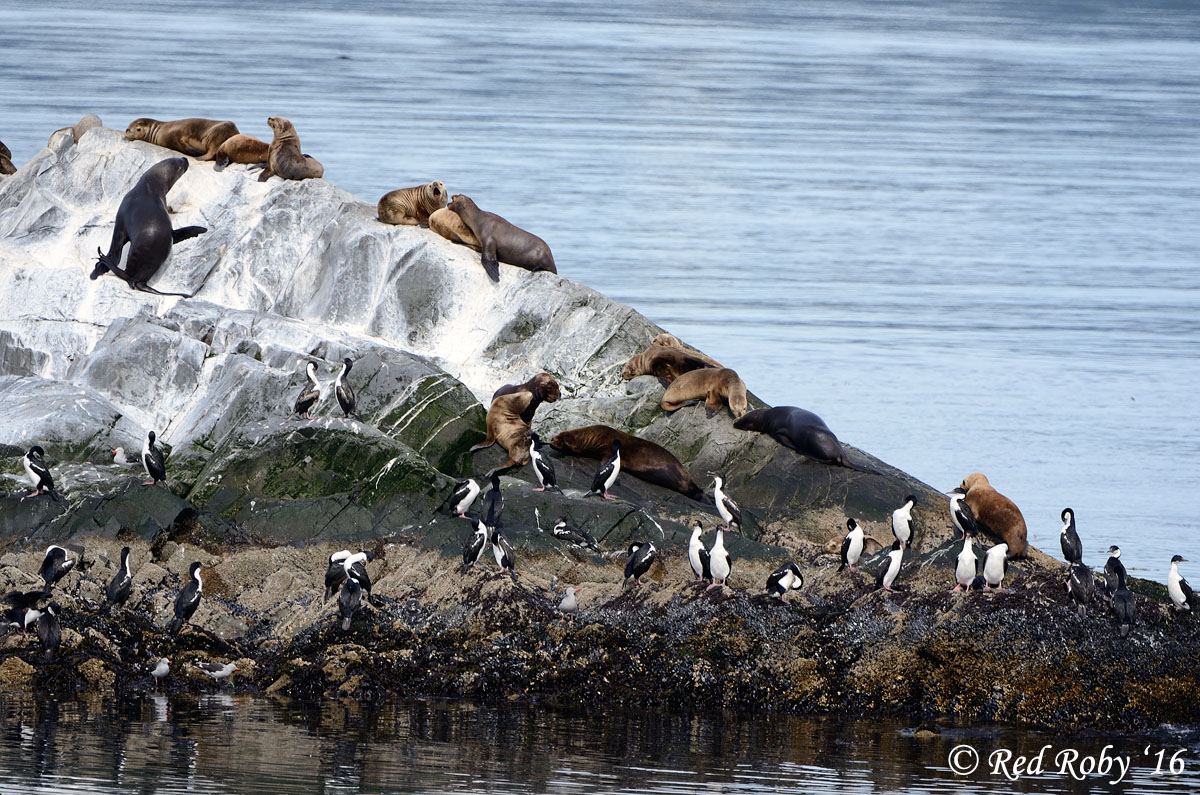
(965, 233)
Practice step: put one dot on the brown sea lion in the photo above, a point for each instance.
(200, 138)
(542, 386)
(506, 426)
(6, 163)
(643, 459)
(412, 206)
(446, 223)
(663, 361)
(800, 430)
(79, 128)
(284, 158)
(710, 385)
(501, 241)
(996, 514)
(143, 222)
(671, 341)
(244, 149)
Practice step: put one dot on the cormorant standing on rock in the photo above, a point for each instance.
(122, 582)
(188, 599)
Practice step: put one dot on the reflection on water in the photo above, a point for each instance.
(225, 743)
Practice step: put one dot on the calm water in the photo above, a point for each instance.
(223, 743)
(965, 233)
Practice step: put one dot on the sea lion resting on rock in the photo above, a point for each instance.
(200, 138)
(284, 158)
(710, 385)
(6, 164)
(996, 514)
(244, 149)
(663, 361)
(800, 430)
(412, 206)
(671, 341)
(643, 459)
(449, 225)
(78, 128)
(505, 425)
(501, 241)
(542, 386)
(143, 222)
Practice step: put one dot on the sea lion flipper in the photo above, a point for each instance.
(185, 232)
(491, 266)
(263, 177)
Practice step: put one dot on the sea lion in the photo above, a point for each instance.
(710, 385)
(800, 430)
(78, 128)
(643, 459)
(200, 138)
(449, 225)
(671, 341)
(412, 206)
(505, 425)
(143, 222)
(245, 149)
(542, 386)
(284, 158)
(996, 514)
(501, 241)
(6, 163)
(663, 361)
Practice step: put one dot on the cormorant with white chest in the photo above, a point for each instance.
(462, 496)
(785, 578)
(152, 462)
(719, 562)
(961, 514)
(38, 473)
(607, 474)
(336, 573)
(309, 396)
(475, 544)
(965, 568)
(341, 388)
(122, 581)
(573, 535)
(503, 552)
(698, 555)
(55, 566)
(890, 569)
(639, 559)
(902, 522)
(731, 513)
(1072, 547)
(1177, 587)
(852, 545)
(543, 467)
(188, 599)
(995, 566)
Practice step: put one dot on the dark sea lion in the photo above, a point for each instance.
(671, 341)
(449, 225)
(643, 459)
(711, 385)
(800, 430)
(996, 514)
(284, 158)
(542, 386)
(244, 149)
(78, 128)
(412, 206)
(143, 222)
(200, 138)
(501, 241)
(665, 362)
(6, 163)
(506, 426)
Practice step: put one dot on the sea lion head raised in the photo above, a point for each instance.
(545, 388)
(975, 479)
(460, 204)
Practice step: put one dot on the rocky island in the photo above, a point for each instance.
(290, 273)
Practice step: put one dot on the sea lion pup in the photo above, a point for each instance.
(996, 514)
(664, 362)
(412, 206)
(200, 138)
(244, 149)
(542, 386)
(6, 163)
(142, 221)
(643, 459)
(284, 158)
(799, 430)
(671, 341)
(501, 241)
(711, 385)
(504, 425)
(78, 128)
(449, 225)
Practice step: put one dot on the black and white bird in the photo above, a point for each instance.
(341, 389)
(152, 462)
(698, 555)
(503, 552)
(160, 670)
(995, 566)
(902, 522)
(349, 599)
(122, 581)
(543, 467)
(218, 671)
(493, 502)
(852, 545)
(639, 559)
(475, 545)
(55, 566)
(966, 567)
(1114, 570)
(1081, 584)
(719, 562)
(309, 396)
(1122, 604)
(49, 630)
(607, 474)
(730, 513)
(38, 473)
(785, 578)
(1072, 547)
(890, 570)
(356, 569)
(24, 608)
(335, 575)
(1177, 587)
(573, 535)
(961, 514)
(462, 496)
(188, 599)
(569, 605)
